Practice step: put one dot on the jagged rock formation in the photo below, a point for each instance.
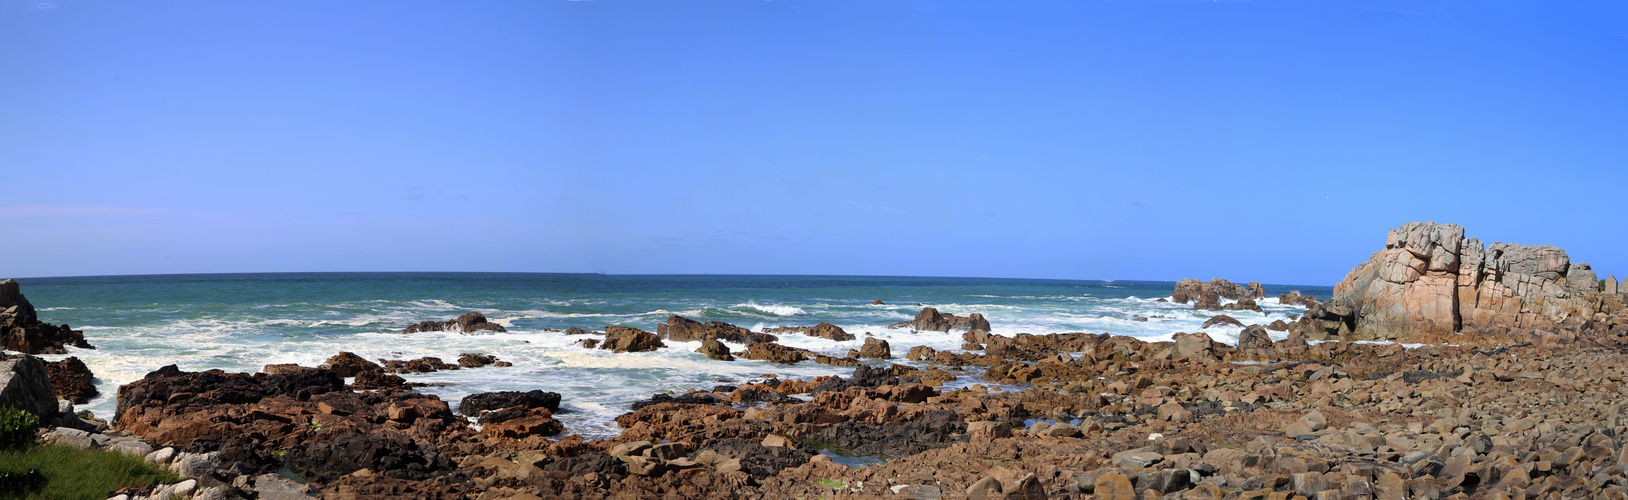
(72, 380)
(22, 331)
(823, 330)
(468, 323)
(629, 339)
(930, 320)
(1208, 295)
(1431, 280)
(682, 329)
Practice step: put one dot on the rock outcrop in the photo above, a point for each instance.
(629, 339)
(72, 380)
(25, 384)
(1189, 289)
(682, 329)
(468, 323)
(930, 320)
(1430, 280)
(348, 364)
(22, 331)
(823, 330)
(874, 348)
(715, 350)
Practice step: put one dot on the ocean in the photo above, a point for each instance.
(241, 322)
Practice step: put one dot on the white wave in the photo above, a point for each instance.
(55, 309)
(775, 309)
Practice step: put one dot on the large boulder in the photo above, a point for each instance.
(874, 348)
(682, 329)
(348, 364)
(22, 331)
(474, 404)
(1254, 337)
(769, 351)
(25, 384)
(930, 320)
(629, 339)
(468, 323)
(1431, 280)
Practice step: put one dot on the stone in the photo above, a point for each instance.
(930, 320)
(274, 487)
(1114, 485)
(348, 364)
(475, 360)
(72, 380)
(1194, 346)
(22, 331)
(468, 323)
(475, 404)
(196, 464)
(627, 339)
(25, 384)
(1136, 458)
(1222, 320)
(682, 329)
(769, 351)
(161, 456)
(874, 348)
(715, 350)
(987, 488)
(921, 353)
(1254, 337)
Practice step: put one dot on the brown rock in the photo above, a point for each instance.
(348, 364)
(929, 319)
(378, 380)
(22, 331)
(1224, 320)
(715, 350)
(769, 351)
(475, 360)
(467, 323)
(874, 348)
(1254, 337)
(72, 380)
(681, 329)
(920, 353)
(628, 339)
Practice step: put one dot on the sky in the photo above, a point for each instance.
(1273, 141)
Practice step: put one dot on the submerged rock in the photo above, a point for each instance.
(468, 323)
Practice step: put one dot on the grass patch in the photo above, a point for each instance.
(71, 473)
(832, 483)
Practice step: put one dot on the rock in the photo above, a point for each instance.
(348, 364)
(1254, 337)
(769, 351)
(520, 422)
(427, 364)
(930, 320)
(468, 323)
(474, 404)
(1294, 298)
(987, 488)
(72, 380)
(25, 384)
(22, 331)
(921, 353)
(627, 339)
(575, 331)
(475, 360)
(878, 302)
(1136, 458)
(822, 330)
(196, 464)
(378, 380)
(1114, 485)
(1194, 346)
(1430, 280)
(874, 348)
(1189, 289)
(681, 329)
(161, 456)
(274, 487)
(715, 350)
(1222, 320)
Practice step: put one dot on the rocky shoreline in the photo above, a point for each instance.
(1522, 397)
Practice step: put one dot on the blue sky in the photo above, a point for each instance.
(1271, 140)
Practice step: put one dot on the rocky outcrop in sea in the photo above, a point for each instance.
(22, 331)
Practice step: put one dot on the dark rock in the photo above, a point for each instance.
(1294, 298)
(22, 331)
(937, 427)
(1189, 289)
(878, 302)
(390, 454)
(427, 364)
(378, 380)
(72, 380)
(1222, 319)
(1254, 337)
(769, 351)
(475, 360)
(822, 330)
(576, 331)
(474, 404)
(758, 460)
(348, 364)
(687, 399)
(468, 323)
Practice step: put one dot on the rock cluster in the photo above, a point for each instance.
(930, 320)
(1207, 296)
(1431, 281)
(467, 323)
(629, 339)
(72, 380)
(22, 331)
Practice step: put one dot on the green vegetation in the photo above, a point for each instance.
(73, 473)
(52, 471)
(832, 483)
(17, 428)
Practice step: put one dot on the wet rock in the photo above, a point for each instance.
(627, 339)
(874, 348)
(468, 323)
(929, 319)
(715, 350)
(576, 331)
(823, 330)
(390, 455)
(348, 364)
(681, 329)
(1223, 320)
(769, 351)
(72, 380)
(476, 360)
(427, 364)
(920, 353)
(474, 404)
(378, 380)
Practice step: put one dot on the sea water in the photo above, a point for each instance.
(242, 322)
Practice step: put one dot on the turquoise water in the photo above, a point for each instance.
(241, 322)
